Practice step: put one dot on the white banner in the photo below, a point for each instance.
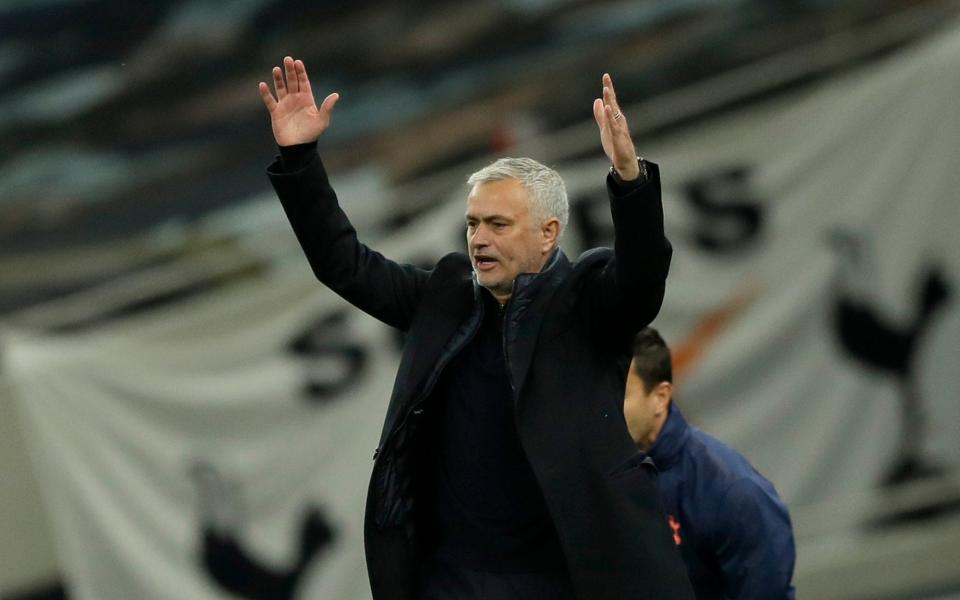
(221, 446)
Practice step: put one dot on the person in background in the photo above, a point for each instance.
(731, 527)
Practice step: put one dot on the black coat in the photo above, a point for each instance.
(567, 342)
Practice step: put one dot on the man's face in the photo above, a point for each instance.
(503, 238)
(645, 410)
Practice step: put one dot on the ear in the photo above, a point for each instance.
(662, 395)
(550, 231)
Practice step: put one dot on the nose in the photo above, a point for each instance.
(478, 239)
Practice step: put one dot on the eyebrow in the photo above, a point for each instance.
(487, 219)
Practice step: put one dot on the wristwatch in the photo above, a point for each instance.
(643, 172)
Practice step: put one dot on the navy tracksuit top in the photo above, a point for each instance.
(731, 527)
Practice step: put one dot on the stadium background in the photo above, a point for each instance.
(180, 402)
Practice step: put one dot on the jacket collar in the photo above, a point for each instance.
(526, 285)
(532, 293)
(666, 451)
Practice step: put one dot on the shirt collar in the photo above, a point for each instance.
(669, 444)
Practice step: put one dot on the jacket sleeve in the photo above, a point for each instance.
(376, 285)
(628, 289)
(754, 542)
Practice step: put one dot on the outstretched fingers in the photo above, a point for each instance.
(614, 116)
(268, 100)
(609, 95)
(294, 114)
(290, 79)
(614, 131)
(278, 84)
(303, 82)
(293, 85)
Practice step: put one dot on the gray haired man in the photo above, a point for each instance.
(504, 469)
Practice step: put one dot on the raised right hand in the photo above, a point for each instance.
(294, 114)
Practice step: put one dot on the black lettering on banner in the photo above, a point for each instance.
(331, 361)
(731, 214)
(590, 216)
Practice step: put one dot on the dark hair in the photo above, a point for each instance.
(651, 358)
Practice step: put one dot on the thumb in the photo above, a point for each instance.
(329, 102)
(598, 113)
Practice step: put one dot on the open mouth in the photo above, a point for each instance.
(484, 263)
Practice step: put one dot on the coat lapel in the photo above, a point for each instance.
(442, 323)
(528, 307)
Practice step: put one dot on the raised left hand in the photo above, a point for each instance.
(614, 132)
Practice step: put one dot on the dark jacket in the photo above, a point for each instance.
(567, 344)
(732, 529)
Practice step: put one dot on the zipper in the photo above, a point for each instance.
(384, 508)
(503, 341)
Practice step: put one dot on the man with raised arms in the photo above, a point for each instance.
(504, 469)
